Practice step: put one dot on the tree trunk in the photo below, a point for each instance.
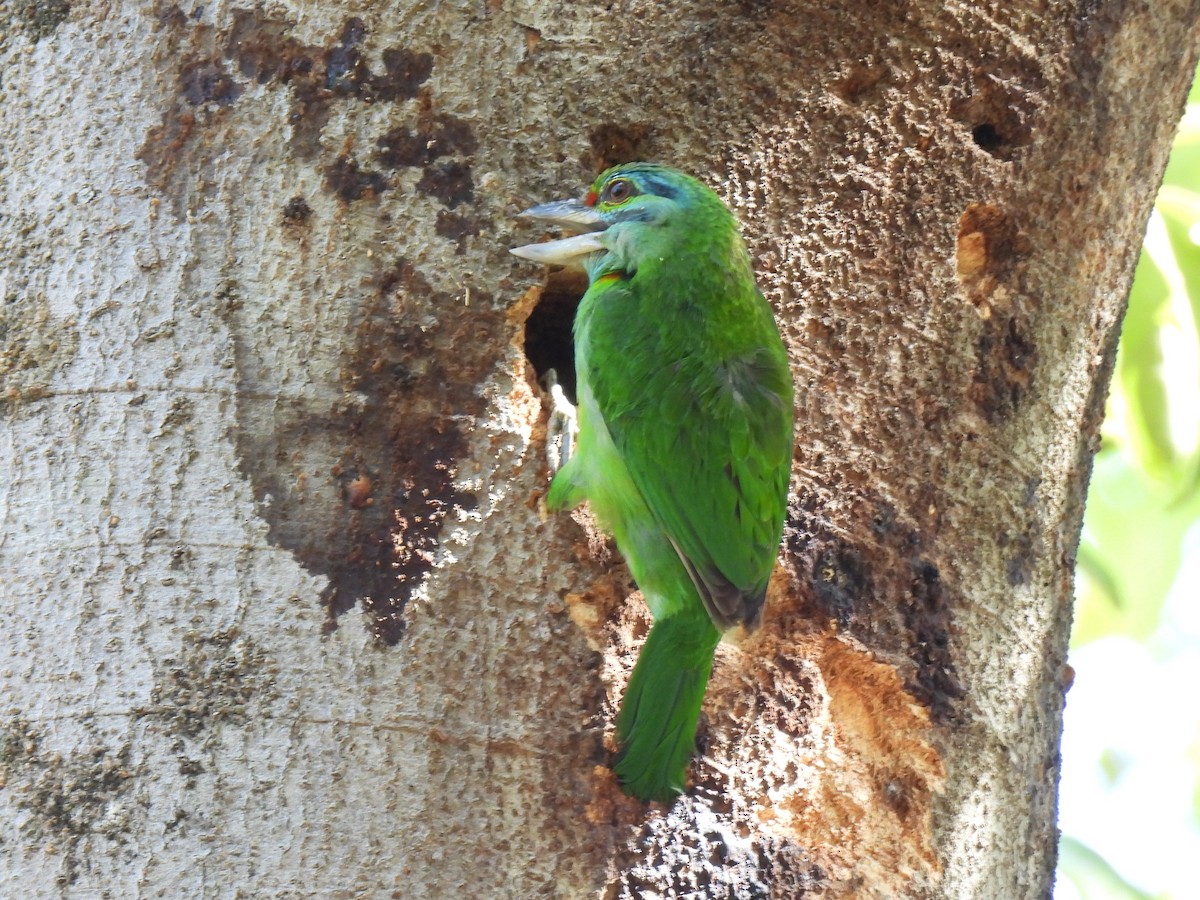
(282, 613)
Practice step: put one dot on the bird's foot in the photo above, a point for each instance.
(563, 425)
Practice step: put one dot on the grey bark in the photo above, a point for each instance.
(282, 615)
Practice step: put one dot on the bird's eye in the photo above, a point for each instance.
(617, 190)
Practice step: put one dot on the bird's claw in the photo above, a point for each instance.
(563, 424)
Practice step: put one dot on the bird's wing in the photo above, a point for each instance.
(707, 439)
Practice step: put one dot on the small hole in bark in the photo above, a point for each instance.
(987, 137)
(548, 341)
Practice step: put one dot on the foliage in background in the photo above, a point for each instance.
(1130, 804)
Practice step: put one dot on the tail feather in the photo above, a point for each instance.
(656, 728)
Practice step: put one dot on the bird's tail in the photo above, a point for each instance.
(656, 728)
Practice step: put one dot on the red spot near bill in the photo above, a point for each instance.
(591, 198)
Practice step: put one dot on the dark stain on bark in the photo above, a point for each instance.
(880, 585)
(1092, 26)
(344, 178)
(615, 143)
(990, 256)
(262, 50)
(927, 617)
(989, 245)
(396, 509)
(359, 489)
(455, 227)
(258, 47)
(442, 136)
(1020, 565)
(450, 184)
(40, 18)
(860, 83)
(201, 81)
(842, 584)
(403, 147)
(1005, 356)
(370, 517)
(297, 211)
(404, 71)
(346, 71)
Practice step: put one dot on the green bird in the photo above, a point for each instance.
(685, 435)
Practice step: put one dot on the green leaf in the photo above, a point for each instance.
(1139, 372)
(1185, 153)
(1091, 874)
(1180, 211)
(1113, 765)
(1137, 536)
(1088, 562)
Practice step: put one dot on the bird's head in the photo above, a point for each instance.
(634, 214)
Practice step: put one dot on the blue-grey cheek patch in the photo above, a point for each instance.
(659, 187)
(631, 214)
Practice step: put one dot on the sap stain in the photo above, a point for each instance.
(454, 226)
(358, 487)
(403, 147)
(436, 135)
(990, 258)
(399, 469)
(366, 497)
(989, 249)
(346, 72)
(263, 51)
(403, 73)
(1022, 551)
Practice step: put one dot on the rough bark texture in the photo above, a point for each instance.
(282, 614)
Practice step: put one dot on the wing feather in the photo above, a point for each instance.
(706, 434)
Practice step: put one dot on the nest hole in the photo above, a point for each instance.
(548, 339)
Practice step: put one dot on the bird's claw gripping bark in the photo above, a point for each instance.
(563, 424)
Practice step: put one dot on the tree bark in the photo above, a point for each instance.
(282, 613)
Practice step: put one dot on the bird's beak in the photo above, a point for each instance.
(573, 215)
